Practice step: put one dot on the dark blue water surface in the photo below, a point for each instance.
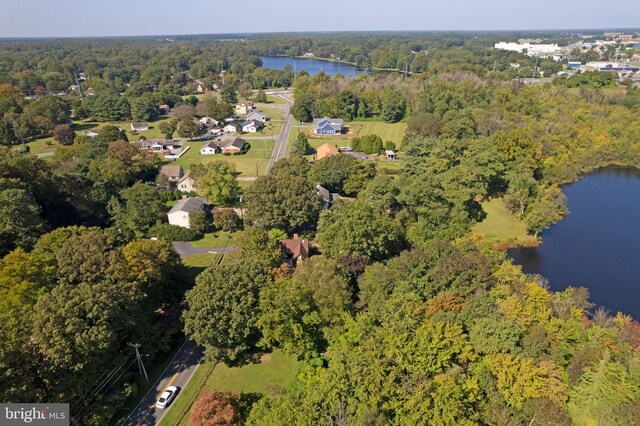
(312, 66)
(598, 244)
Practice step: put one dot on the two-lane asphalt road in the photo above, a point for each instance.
(177, 373)
(280, 149)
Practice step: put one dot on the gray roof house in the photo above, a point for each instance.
(139, 127)
(257, 115)
(327, 126)
(179, 214)
(234, 146)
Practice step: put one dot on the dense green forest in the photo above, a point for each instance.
(401, 315)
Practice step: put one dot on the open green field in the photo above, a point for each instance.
(275, 100)
(216, 239)
(272, 369)
(393, 132)
(502, 228)
(253, 163)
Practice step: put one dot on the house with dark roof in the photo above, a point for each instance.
(179, 214)
(210, 148)
(327, 126)
(252, 126)
(232, 146)
(257, 115)
(296, 249)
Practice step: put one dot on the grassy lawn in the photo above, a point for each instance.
(216, 239)
(387, 131)
(256, 158)
(199, 260)
(273, 369)
(153, 132)
(41, 146)
(393, 132)
(275, 100)
(502, 228)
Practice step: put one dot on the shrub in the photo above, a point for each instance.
(227, 220)
(165, 231)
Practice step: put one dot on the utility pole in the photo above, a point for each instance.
(141, 368)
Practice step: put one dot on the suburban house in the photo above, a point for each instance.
(327, 197)
(186, 184)
(210, 148)
(230, 127)
(258, 116)
(390, 154)
(244, 107)
(155, 145)
(325, 151)
(296, 249)
(164, 109)
(208, 122)
(232, 146)
(327, 126)
(173, 173)
(92, 133)
(139, 127)
(90, 92)
(252, 126)
(179, 214)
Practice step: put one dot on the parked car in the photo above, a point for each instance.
(167, 397)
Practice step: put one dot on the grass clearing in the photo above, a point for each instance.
(199, 260)
(275, 100)
(502, 228)
(393, 132)
(216, 239)
(272, 369)
(41, 146)
(253, 163)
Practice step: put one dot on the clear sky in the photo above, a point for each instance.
(50, 18)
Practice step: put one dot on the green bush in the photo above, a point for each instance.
(165, 231)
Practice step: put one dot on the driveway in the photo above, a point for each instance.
(185, 249)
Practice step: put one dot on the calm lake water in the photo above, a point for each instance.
(312, 66)
(597, 245)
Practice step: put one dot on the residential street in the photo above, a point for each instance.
(280, 149)
(177, 374)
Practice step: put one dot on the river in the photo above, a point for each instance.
(597, 245)
(312, 66)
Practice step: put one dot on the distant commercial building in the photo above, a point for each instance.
(528, 48)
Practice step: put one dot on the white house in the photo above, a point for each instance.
(179, 214)
(257, 115)
(230, 128)
(252, 126)
(209, 148)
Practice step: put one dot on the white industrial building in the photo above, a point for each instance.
(528, 48)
